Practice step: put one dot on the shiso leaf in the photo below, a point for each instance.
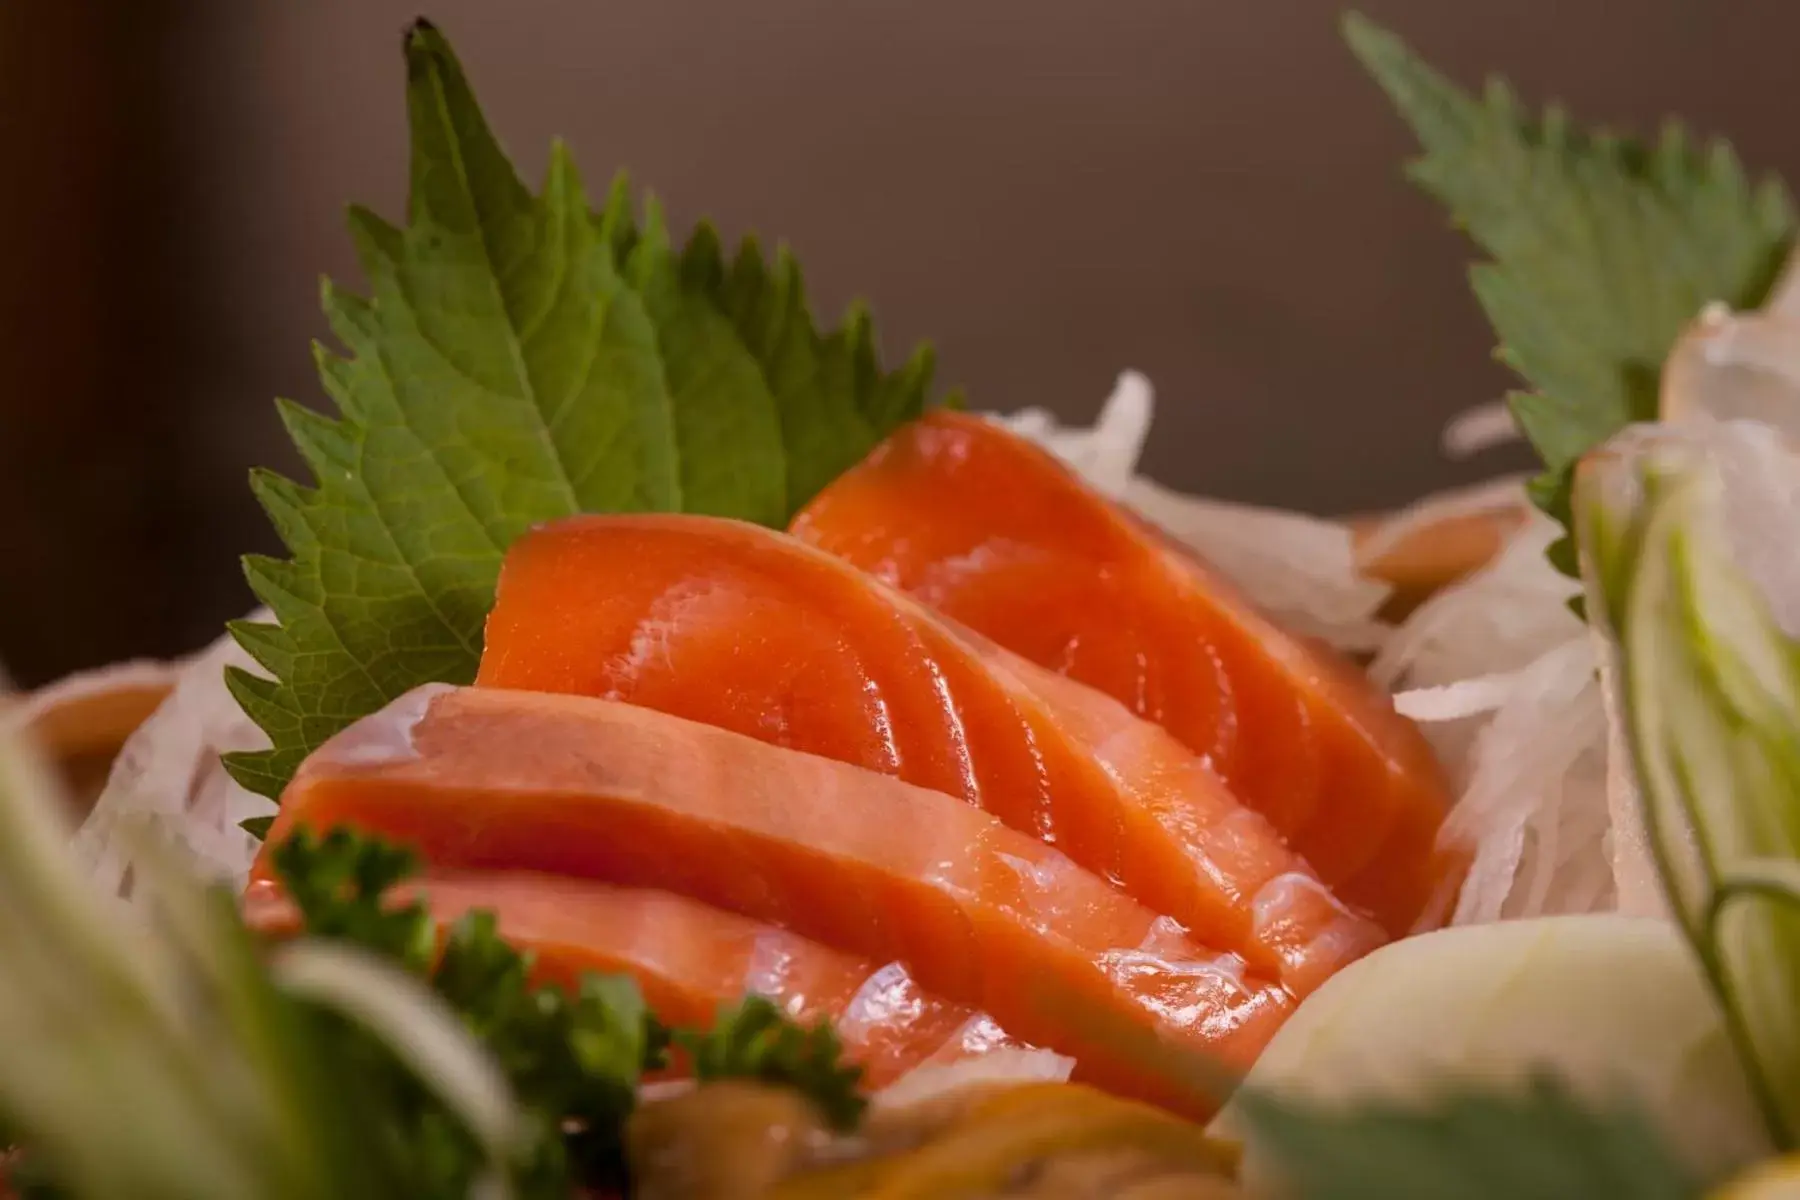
(522, 357)
(1600, 249)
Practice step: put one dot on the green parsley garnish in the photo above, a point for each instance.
(756, 1040)
(573, 1061)
(1600, 249)
(519, 358)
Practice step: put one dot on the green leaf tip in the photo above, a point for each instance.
(425, 45)
(1367, 40)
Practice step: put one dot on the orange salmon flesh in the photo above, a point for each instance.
(749, 630)
(981, 915)
(690, 960)
(995, 533)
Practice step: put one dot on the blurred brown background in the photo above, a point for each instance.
(1051, 190)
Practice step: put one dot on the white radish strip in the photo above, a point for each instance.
(1477, 429)
(1006, 1065)
(169, 773)
(1454, 701)
(1298, 568)
(1107, 454)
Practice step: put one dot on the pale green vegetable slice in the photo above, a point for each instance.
(143, 1059)
(1691, 540)
(1615, 1006)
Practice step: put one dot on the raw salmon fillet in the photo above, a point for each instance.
(998, 535)
(690, 960)
(981, 915)
(749, 630)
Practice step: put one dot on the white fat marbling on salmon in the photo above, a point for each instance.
(389, 739)
(888, 999)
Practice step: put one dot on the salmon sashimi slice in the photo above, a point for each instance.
(1000, 536)
(749, 630)
(981, 915)
(690, 960)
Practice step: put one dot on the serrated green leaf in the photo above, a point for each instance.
(809, 375)
(519, 358)
(263, 773)
(1472, 1145)
(260, 698)
(264, 643)
(501, 374)
(1600, 249)
(726, 422)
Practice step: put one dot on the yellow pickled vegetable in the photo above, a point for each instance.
(1777, 1179)
(725, 1141)
(1046, 1140)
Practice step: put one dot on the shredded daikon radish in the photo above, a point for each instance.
(1501, 676)
(1453, 701)
(1107, 452)
(1300, 569)
(1533, 803)
(929, 1080)
(1003, 1065)
(1519, 697)
(1516, 693)
(1497, 620)
(1513, 692)
(168, 777)
(1480, 428)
